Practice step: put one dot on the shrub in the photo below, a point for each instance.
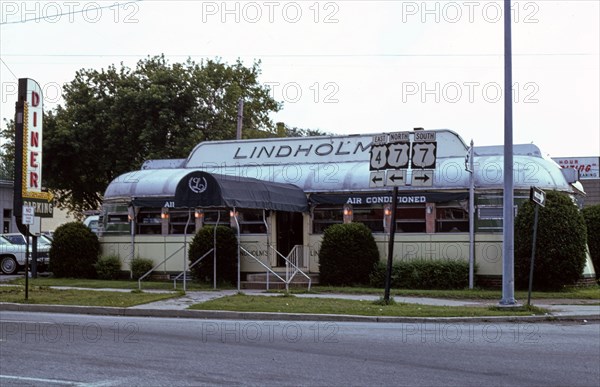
(348, 254)
(140, 266)
(592, 221)
(109, 267)
(75, 250)
(560, 245)
(424, 274)
(226, 254)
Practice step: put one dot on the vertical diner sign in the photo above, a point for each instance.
(28, 151)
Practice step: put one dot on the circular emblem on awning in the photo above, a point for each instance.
(197, 184)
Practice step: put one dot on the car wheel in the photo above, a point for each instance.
(8, 265)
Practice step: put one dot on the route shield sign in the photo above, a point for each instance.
(424, 149)
(378, 152)
(393, 154)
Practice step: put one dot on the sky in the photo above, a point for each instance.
(344, 67)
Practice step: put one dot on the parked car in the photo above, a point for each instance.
(92, 223)
(17, 239)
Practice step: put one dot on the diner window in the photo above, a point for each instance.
(178, 219)
(451, 218)
(372, 217)
(490, 212)
(149, 221)
(211, 217)
(411, 218)
(326, 216)
(490, 217)
(116, 223)
(251, 222)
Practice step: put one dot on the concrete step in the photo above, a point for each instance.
(298, 278)
(262, 285)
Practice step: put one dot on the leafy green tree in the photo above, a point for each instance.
(591, 215)
(74, 252)
(560, 243)
(203, 242)
(348, 255)
(116, 118)
(7, 151)
(285, 131)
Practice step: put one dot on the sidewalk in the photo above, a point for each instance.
(177, 307)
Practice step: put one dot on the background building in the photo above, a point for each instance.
(589, 176)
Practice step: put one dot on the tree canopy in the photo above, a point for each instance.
(114, 119)
(7, 151)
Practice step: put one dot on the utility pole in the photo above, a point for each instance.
(240, 118)
(508, 259)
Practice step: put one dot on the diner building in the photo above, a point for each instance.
(282, 193)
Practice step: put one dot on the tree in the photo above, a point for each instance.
(203, 242)
(7, 151)
(591, 215)
(74, 252)
(560, 243)
(285, 131)
(348, 255)
(116, 118)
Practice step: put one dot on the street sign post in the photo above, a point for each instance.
(391, 157)
(538, 197)
(28, 216)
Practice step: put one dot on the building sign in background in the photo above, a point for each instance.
(588, 167)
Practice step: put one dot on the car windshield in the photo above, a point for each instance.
(15, 239)
(45, 240)
(4, 241)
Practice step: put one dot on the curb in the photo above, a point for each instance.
(262, 316)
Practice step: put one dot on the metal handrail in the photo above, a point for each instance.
(290, 263)
(192, 265)
(265, 266)
(155, 267)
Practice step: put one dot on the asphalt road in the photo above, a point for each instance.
(57, 349)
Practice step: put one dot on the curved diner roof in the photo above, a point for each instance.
(329, 165)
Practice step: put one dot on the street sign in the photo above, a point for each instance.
(397, 156)
(396, 178)
(422, 178)
(378, 157)
(28, 215)
(423, 154)
(377, 179)
(395, 153)
(537, 196)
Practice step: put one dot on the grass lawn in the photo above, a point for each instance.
(292, 304)
(586, 293)
(111, 284)
(45, 295)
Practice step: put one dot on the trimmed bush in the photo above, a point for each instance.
(75, 250)
(560, 246)
(592, 222)
(424, 274)
(348, 255)
(108, 268)
(140, 266)
(226, 254)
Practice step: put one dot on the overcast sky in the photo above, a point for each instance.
(344, 67)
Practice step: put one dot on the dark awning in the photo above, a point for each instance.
(202, 189)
